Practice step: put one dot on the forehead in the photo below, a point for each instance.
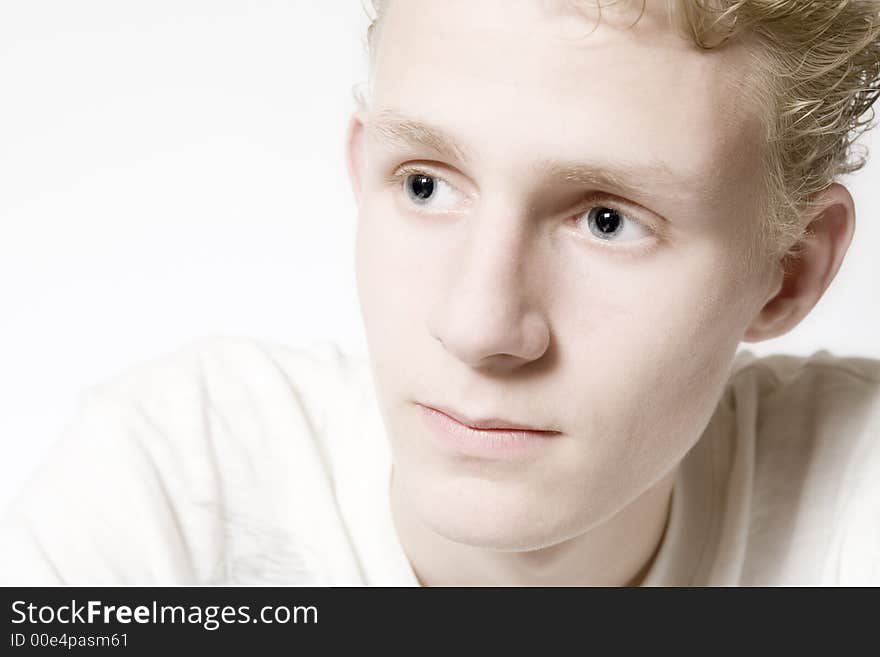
(526, 79)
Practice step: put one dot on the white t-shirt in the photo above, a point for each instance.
(242, 461)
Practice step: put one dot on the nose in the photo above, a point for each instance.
(488, 314)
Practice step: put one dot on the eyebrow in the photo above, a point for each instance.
(398, 129)
(629, 179)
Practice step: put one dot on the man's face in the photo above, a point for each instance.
(576, 263)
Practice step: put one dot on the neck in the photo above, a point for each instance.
(618, 552)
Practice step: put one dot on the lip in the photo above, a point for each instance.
(489, 423)
(452, 435)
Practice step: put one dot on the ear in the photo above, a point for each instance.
(354, 152)
(807, 273)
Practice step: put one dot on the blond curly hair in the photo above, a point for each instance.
(818, 67)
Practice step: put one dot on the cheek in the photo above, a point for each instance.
(400, 262)
(677, 305)
(392, 269)
(378, 285)
(651, 352)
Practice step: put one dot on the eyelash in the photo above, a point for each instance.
(645, 246)
(590, 200)
(405, 171)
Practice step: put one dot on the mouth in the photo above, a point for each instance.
(486, 438)
(489, 423)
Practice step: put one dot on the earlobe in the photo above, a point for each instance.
(354, 152)
(808, 273)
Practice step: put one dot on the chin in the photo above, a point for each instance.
(503, 516)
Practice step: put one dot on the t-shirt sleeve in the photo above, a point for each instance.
(109, 506)
(213, 464)
(815, 496)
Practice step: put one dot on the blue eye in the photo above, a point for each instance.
(420, 187)
(430, 192)
(609, 224)
(604, 221)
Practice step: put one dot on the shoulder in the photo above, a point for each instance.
(781, 373)
(815, 392)
(220, 462)
(814, 424)
(218, 363)
(798, 402)
(231, 399)
(233, 377)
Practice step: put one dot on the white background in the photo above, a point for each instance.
(171, 169)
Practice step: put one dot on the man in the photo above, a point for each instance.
(569, 219)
